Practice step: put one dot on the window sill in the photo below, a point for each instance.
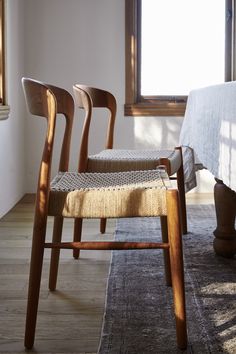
(4, 112)
(156, 109)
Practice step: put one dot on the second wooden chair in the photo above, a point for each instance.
(118, 160)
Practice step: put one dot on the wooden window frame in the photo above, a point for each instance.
(2, 54)
(4, 108)
(137, 105)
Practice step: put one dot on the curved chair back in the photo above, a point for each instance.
(47, 101)
(87, 98)
(37, 96)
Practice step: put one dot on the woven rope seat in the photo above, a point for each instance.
(121, 194)
(115, 160)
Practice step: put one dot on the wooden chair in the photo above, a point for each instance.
(116, 160)
(96, 195)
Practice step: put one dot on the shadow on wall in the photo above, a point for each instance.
(157, 132)
(163, 132)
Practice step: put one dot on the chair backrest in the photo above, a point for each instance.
(46, 101)
(88, 98)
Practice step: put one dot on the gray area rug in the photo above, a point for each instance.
(139, 314)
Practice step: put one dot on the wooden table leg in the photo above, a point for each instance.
(225, 233)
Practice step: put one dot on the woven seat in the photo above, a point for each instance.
(140, 193)
(88, 195)
(117, 160)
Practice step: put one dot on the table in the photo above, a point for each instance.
(209, 129)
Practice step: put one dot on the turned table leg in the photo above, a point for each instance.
(225, 233)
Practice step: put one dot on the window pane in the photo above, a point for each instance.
(183, 45)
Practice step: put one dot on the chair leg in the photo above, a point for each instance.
(181, 188)
(36, 264)
(166, 253)
(77, 235)
(177, 271)
(103, 223)
(55, 253)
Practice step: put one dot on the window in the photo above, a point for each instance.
(4, 108)
(173, 47)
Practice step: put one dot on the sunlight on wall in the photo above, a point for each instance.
(153, 132)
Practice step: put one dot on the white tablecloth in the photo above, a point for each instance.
(209, 128)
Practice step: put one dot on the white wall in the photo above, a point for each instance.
(68, 42)
(76, 41)
(83, 41)
(12, 157)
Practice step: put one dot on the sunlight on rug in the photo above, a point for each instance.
(139, 316)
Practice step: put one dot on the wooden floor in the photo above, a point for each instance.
(69, 319)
